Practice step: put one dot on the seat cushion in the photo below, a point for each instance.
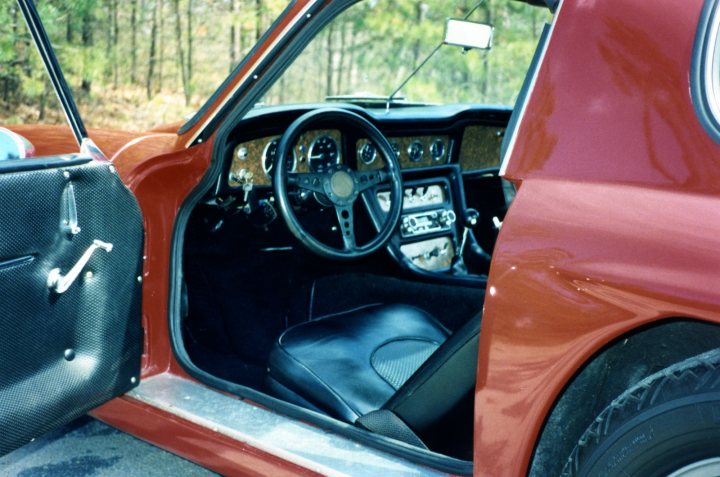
(351, 363)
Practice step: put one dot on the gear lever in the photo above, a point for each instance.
(471, 220)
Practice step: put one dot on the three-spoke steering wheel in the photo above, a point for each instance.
(339, 184)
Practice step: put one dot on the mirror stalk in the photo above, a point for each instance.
(417, 68)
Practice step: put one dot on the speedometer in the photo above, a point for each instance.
(323, 154)
(268, 158)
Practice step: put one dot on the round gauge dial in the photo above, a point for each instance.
(323, 154)
(268, 158)
(437, 150)
(396, 147)
(368, 153)
(415, 151)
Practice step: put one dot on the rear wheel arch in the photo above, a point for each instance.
(620, 365)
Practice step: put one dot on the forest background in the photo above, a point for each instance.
(137, 64)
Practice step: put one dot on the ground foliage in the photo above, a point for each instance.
(136, 64)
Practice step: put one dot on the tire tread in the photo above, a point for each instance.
(699, 374)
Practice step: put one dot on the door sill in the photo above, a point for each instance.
(293, 441)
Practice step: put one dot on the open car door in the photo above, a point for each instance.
(70, 260)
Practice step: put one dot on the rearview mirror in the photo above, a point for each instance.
(468, 34)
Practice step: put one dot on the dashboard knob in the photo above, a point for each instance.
(409, 225)
(447, 218)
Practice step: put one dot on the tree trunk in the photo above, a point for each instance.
(341, 59)
(108, 40)
(47, 91)
(233, 34)
(421, 9)
(151, 56)
(116, 35)
(161, 44)
(133, 42)
(330, 53)
(180, 52)
(485, 85)
(88, 41)
(189, 47)
(350, 83)
(11, 80)
(258, 19)
(69, 30)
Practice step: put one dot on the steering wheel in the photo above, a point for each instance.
(339, 184)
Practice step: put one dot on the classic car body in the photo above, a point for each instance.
(604, 274)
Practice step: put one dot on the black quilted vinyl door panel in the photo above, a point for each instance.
(61, 354)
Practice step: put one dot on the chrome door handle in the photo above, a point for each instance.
(59, 284)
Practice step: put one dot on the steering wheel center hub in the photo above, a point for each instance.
(342, 184)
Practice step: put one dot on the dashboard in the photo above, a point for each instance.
(479, 149)
(439, 152)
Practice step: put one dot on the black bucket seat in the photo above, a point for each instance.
(392, 369)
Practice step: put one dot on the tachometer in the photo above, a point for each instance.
(323, 154)
(268, 158)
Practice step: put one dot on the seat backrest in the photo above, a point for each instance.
(441, 382)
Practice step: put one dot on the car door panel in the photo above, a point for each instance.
(61, 354)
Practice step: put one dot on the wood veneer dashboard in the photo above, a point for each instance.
(473, 147)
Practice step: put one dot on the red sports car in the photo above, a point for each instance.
(401, 282)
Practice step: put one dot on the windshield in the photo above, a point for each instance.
(370, 49)
(139, 64)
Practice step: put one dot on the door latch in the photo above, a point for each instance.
(59, 283)
(70, 217)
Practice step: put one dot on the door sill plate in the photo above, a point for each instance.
(291, 440)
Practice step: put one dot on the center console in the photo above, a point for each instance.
(431, 233)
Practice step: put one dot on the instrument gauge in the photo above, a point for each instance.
(415, 151)
(437, 150)
(323, 154)
(268, 158)
(395, 147)
(368, 153)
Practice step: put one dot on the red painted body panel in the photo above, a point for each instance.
(616, 222)
(207, 448)
(161, 184)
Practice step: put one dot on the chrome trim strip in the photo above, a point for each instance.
(241, 81)
(531, 90)
(277, 249)
(710, 64)
(16, 262)
(293, 441)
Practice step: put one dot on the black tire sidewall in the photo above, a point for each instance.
(661, 439)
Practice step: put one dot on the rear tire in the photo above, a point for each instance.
(667, 423)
